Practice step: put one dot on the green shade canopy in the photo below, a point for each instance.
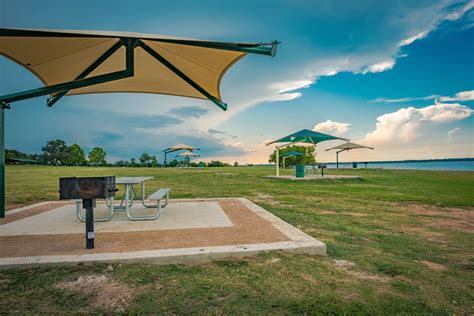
(292, 153)
(306, 136)
(349, 146)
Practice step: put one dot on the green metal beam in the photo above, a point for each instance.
(66, 86)
(180, 74)
(268, 49)
(55, 98)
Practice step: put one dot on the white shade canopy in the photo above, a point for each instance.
(181, 146)
(349, 146)
(188, 154)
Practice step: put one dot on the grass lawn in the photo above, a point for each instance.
(398, 242)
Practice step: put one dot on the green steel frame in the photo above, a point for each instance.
(57, 91)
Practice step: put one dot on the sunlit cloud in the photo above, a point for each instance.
(333, 128)
(404, 125)
(460, 96)
(410, 40)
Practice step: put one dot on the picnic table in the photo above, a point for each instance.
(130, 193)
(129, 197)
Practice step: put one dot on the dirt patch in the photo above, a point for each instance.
(31, 212)
(442, 217)
(226, 173)
(433, 265)
(265, 198)
(355, 214)
(107, 294)
(350, 268)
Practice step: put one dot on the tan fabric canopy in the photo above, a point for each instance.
(58, 56)
(181, 147)
(188, 154)
(349, 146)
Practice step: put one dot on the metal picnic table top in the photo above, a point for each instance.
(132, 180)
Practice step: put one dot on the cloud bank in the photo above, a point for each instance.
(405, 124)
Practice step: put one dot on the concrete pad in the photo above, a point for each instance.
(252, 230)
(314, 177)
(63, 220)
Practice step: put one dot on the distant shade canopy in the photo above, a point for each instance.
(306, 136)
(180, 147)
(59, 56)
(292, 153)
(188, 154)
(349, 146)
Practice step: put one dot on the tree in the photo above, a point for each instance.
(120, 163)
(173, 163)
(148, 161)
(217, 163)
(54, 152)
(75, 156)
(13, 153)
(236, 164)
(154, 161)
(97, 157)
(308, 157)
(133, 162)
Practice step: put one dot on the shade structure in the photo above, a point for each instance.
(180, 146)
(188, 154)
(290, 154)
(144, 63)
(349, 146)
(303, 136)
(306, 136)
(81, 62)
(346, 147)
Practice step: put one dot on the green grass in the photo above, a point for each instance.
(386, 224)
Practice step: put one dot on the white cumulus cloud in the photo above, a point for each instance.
(404, 124)
(411, 39)
(330, 127)
(380, 67)
(460, 96)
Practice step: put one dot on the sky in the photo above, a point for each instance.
(394, 75)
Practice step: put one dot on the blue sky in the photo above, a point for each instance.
(395, 75)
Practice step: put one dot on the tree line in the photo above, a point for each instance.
(57, 152)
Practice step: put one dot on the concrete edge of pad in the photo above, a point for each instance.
(299, 243)
(27, 207)
(198, 255)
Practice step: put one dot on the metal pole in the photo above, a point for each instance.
(2, 161)
(277, 161)
(165, 158)
(88, 204)
(337, 159)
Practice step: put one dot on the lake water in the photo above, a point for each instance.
(465, 165)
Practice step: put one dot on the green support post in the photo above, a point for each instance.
(2, 159)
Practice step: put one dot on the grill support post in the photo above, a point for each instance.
(88, 204)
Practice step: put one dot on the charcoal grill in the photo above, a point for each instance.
(88, 189)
